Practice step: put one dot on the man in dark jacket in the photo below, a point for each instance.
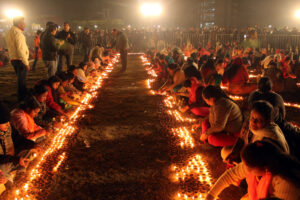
(50, 48)
(121, 45)
(66, 52)
(86, 42)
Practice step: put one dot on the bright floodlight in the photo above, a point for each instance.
(297, 14)
(151, 9)
(13, 13)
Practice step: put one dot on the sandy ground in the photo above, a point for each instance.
(124, 149)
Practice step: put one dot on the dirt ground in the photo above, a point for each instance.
(123, 150)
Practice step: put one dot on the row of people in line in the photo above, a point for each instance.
(24, 130)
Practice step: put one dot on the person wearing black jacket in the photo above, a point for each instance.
(87, 44)
(50, 48)
(66, 52)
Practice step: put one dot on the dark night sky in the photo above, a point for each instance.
(276, 11)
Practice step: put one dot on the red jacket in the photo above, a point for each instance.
(50, 101)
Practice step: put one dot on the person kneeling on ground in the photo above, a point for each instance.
(237, 77)
(12, 156)
(77, 83)
(70, 88)
(225, 120)
(22, 119)
(52, 98)
(45, 117)
(261, 127)
(269, 172)
(196, 104)
(176, 78)
(64, 99)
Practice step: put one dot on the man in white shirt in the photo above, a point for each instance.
(19, 54)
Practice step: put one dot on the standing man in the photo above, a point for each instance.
(50, 48)
(66, 52)
(19, 54)
(87, 43)
(121, 45)
(37, 41)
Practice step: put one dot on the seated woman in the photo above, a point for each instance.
(236, 77)
(207, 70)
(196, 103)
(77, 83)
(45, 117)
(225, 119)
(216, 78)
(52, 100)
(268, 171)
(291, 133)
(286, 68)
(105, 58)
(22, 119)
(261, 127)
(70, 88)
(81, 72)
(64, 99)
(12, 154)
(161, 67)
(264, 92)
(176, 78)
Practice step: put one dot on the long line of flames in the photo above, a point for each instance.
(69, 128)
(196, 166)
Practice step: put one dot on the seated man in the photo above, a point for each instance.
(22, 119)
(11, 158)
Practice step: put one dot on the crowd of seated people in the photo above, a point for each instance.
(26, 130)
(258, 143)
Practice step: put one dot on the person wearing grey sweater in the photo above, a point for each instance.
(225, 118)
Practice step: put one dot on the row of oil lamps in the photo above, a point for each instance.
(60, 140)
(195, 171)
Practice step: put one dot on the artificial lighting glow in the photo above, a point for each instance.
(297, 14)
(13, 13)
(151, 9)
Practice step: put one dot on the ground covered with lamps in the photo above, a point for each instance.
(133, 145)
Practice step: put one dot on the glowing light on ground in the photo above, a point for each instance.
(60, 139)
(195, 170)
